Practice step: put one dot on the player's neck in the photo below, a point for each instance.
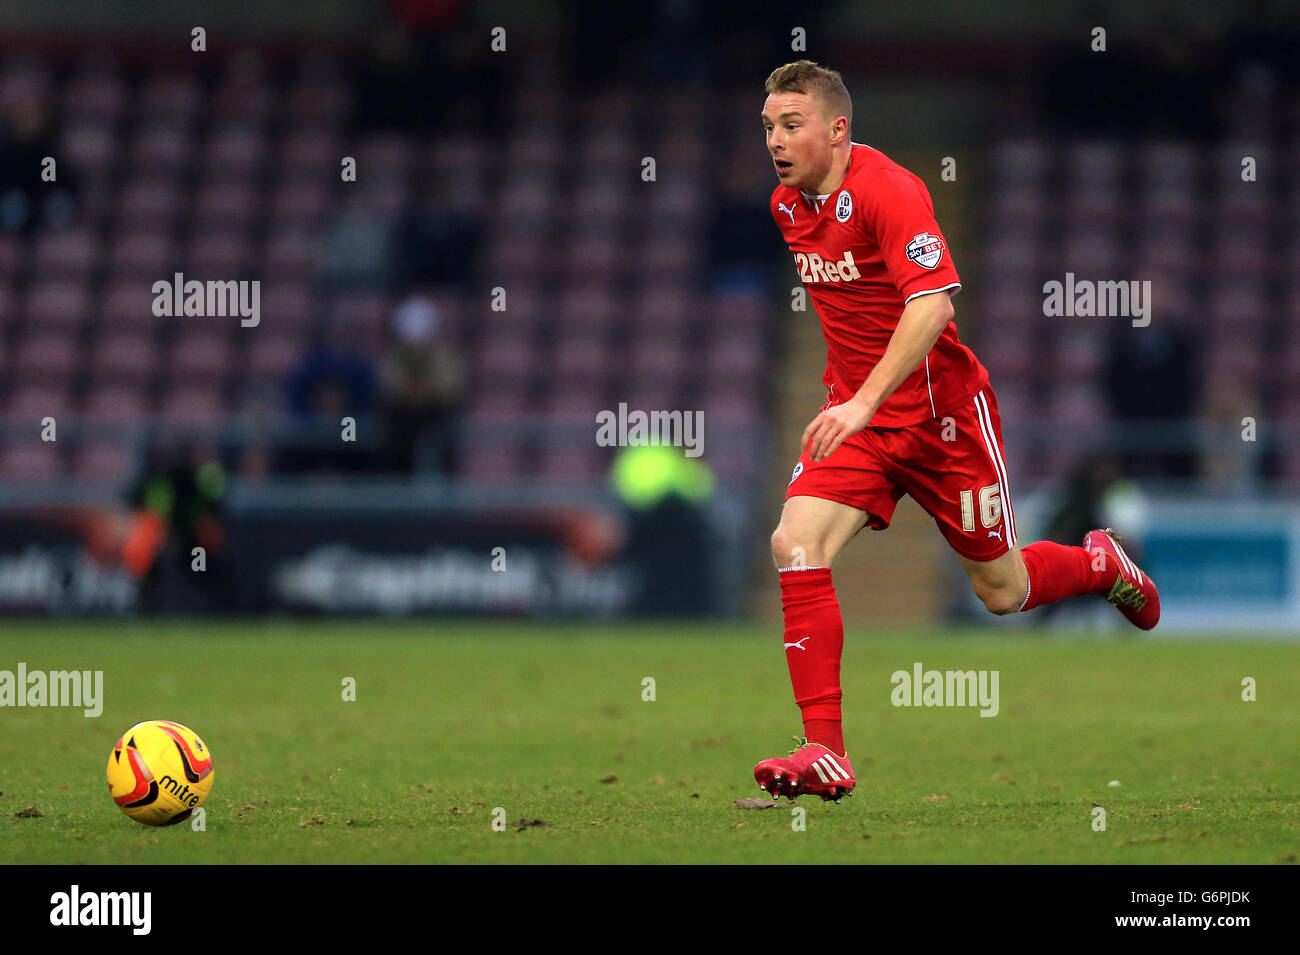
(839, 169)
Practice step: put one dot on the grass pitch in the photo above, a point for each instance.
(454, 719)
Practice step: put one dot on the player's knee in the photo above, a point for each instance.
(792, 549)
(999, 600)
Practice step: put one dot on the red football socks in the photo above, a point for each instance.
(814, 641)
(1057, 571)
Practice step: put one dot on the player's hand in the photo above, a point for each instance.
(828, 430)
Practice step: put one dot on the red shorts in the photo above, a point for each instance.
(952, 466)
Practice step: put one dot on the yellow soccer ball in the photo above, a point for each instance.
(159, 772)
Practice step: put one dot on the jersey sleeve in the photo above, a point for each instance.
(901, 217)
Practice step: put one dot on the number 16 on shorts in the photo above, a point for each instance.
(990, 507)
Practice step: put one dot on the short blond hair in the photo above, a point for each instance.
(805, 76)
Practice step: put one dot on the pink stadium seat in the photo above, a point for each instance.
(12, 254)
(245, 97)
(96, 94)
(317, 101)
(1018, 161)
(190, 404)
(90, 145)
(9, 315)
(293, 253)
(571, 465)
(580, 359)
(510, 254)
(287, 306)
(667, 262)
(150, 203)
(310, 151)
(533, 150)
(228, 201)
(1091, 253)
(236, 149)
(272, 353)
(384, 155)
(144, 254)
(104, 463)
(128, 355)
(31, 462)
(171, 96)
(1080, 352)
(503, 359)
(1094, 163)
(128, 302)
(46, 356)
(220, 252)
(300, 203)
(68, 254)
(1007, 353)
(588, 310)
(656, 303)
(32, 402)
(200, 357)
(57, 305)
(161, 147)
(1165, 205)
(115, 403)
(490, 464)
(738, 359)
(1174, 163)
(594, 254)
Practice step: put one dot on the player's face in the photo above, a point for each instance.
(799, 139)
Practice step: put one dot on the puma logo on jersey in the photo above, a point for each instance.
(997, 534)
(798, 643)
(813, 268)
(788, 211)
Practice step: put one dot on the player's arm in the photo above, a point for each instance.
(923, 320)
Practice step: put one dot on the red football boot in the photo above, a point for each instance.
(1133, 593)
(810, 768)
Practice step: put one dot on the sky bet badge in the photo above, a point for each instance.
(925, 250)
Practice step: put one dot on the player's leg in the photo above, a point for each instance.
(1002, 583)
(827, 503)
(811, 533)
(964, 486)
(813, 530)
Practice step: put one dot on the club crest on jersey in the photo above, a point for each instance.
(843, 206)
(925, 250)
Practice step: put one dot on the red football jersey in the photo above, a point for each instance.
(863, 252)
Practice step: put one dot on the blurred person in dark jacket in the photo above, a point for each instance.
(27, 199)
(176, 506)
(423, 386)
(333, 380)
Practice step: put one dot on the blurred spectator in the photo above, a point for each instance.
(360, 250)
(176, 506)
(742, 240)
(423, 385)
(333, 380)
(665, 494)
(438, 242)
(1153, 376)
(27, 200)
